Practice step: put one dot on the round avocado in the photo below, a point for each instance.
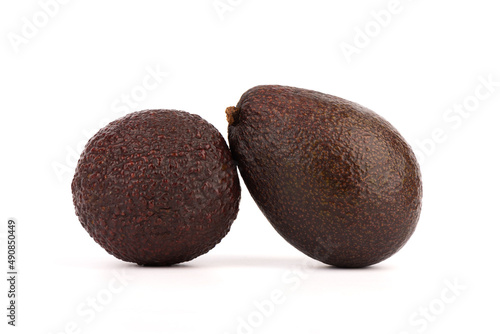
(335, 179)
(156, 187)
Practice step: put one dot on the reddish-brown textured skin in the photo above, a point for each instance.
(156, 187)
(336, 180)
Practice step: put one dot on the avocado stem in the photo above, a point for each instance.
(232, 115)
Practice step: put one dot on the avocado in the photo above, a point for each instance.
(156, 187)
(336, 180)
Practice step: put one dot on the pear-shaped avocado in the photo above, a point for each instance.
(156, 187)
(336, 180)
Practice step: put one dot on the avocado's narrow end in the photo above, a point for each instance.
(232, 115)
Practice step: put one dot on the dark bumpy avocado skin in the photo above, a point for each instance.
(336, 180)
(156, 187)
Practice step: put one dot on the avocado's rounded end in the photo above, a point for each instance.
(232, 115)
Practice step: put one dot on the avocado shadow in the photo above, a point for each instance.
(106, 264)
(250, 261)
(374, 267)
(220, 261)
(177, 266)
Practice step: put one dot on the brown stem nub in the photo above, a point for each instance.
(232, 115)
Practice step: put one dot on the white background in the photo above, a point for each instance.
(67, 78)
